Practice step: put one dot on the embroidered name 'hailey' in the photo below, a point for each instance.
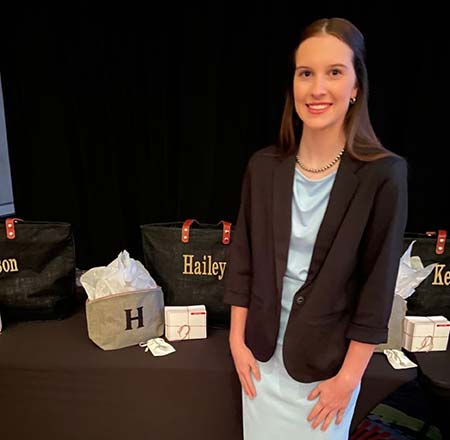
(8, 265)
(441, 278)
(206, 267)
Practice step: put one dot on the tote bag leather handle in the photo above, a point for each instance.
(226, 231)
(10, 229)
(440, 242)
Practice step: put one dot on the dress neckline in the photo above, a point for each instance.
(315, 180)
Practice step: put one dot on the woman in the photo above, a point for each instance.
(316, 249)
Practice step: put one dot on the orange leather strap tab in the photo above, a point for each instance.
(440, 242)
(10, 227)
(186, 229)
(226, 233)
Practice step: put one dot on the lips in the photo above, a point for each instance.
(318, 107)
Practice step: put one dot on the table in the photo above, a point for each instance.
(434, 378)
(57, 384)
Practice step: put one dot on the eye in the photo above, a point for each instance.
(304, 73)
(335, 72)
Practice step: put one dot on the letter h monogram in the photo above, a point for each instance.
(139, 318)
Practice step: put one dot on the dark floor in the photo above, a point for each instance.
(401, 416)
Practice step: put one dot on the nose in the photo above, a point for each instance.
(318, 87)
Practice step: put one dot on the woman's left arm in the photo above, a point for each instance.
(381, 248)
(336, 392)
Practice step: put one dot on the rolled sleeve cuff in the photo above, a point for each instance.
(368, 335)
(236, 299)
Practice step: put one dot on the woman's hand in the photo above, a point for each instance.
(246, 366)
(334, 396)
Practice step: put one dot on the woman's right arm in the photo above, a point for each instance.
(244, 360)
(238, 290)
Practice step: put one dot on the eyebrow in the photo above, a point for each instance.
(329, 67)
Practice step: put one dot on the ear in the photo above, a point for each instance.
(354, 94)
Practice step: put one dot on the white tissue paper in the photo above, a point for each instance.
(124, 274)
(411, 273)
(158, 347)
(398, 359)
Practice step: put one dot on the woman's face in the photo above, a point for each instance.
(324, 82)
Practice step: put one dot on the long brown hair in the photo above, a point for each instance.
(362, 142)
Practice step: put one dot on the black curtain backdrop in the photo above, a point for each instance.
(122, 116)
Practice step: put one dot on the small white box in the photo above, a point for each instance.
(185, 322)
(425, 333)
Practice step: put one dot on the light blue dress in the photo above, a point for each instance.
(280, 408)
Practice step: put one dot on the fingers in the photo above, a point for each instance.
(340, 416)
(250, 385)
(255, 371)
(247, 382)
(328, 419)
(314, 393)
(321, 414)
(315, 411)
(316, 416)
(245, 386)
(246, 366)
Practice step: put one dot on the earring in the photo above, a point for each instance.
(352, 101)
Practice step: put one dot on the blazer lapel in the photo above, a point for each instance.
(282, 206)
(342, 192)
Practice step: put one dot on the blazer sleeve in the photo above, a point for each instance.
(239, 272)
(381, 249)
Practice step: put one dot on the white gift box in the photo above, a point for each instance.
(185, 322)
(425, 333)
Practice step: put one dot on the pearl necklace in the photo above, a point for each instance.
(322, 169)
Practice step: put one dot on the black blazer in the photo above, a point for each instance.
(349, 289)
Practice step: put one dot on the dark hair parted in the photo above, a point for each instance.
(361, 140)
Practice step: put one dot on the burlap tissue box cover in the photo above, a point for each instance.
(125, 319)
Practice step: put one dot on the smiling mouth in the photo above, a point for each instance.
(318, 108)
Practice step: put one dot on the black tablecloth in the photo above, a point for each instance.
(56, 384)
(434, 377)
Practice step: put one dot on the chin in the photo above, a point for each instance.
(317, 125)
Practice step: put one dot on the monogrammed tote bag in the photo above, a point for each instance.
(432, 296)
(189, 261)
(37, 270)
